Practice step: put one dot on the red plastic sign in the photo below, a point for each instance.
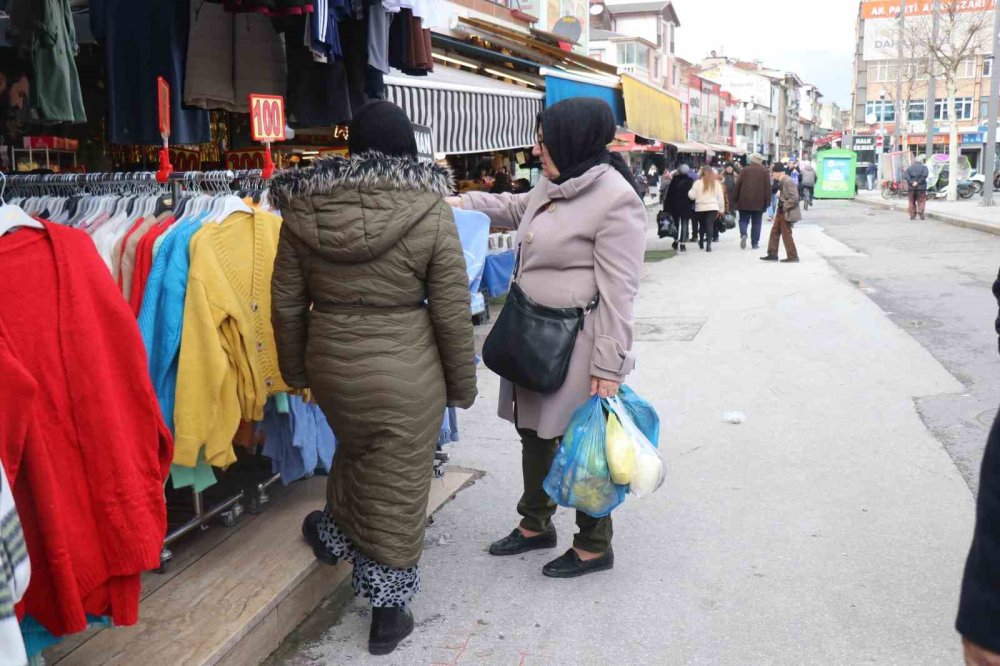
(163, 105)
(267, 118)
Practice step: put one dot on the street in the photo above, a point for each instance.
(830, 527)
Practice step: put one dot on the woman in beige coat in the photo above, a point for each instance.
(581, 231)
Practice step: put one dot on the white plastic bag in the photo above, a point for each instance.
(649, 471)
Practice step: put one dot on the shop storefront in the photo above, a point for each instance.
(218, 512)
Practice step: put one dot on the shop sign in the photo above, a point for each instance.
(863, 143)
(267, 118)
(425, 142)
(889, 9)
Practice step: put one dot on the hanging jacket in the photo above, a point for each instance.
(371, 311)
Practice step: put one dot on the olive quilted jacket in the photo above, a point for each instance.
(370, 307)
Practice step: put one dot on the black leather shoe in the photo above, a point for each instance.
(516, 543)
(793, 260)
(389, 627)
(769, 257)
(310, 530)
(570, 565)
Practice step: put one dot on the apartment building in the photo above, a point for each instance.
(639, 38)
(877, 77)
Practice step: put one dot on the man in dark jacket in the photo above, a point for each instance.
(751, 197)
(679, 205)
(916, 179)
(979, 609)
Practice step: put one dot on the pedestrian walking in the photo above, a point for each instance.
(786, 214)
(581, 232)
(979, 608)
(653, 180)
(708, 195)
(679, 206)
(916, 178)
(751, 197)
(870, 174)
(807, 186)
(369, 252)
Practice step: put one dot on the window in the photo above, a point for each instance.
(984, 109)
(987, 66)
(670, 36)
(887, 113)
(967, 69)
(632, 54)
(597, 55)
(675, 74)
(884, 70)
(963, 108)
(918, 111)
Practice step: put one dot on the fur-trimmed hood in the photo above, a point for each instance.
(367, 172)
(354, 209)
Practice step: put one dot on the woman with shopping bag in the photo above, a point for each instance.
(581, 239)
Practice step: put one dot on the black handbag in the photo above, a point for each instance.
(665, 225)
(531, 344)
(720, 226)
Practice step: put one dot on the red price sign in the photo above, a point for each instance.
(267, 118)
(163, 105)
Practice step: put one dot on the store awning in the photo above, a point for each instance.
(468, 113)
(563, 85)
(650, 111)
(725, 148)
(629, 142)
(688, 147)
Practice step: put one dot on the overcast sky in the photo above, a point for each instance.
(813, 39)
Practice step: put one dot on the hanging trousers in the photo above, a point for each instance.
(537, 508)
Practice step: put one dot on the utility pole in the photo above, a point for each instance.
(991, 129)
(931, 83)
(902, 115)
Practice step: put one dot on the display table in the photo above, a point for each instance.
(498, 272)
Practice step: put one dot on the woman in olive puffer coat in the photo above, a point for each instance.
(370, 306)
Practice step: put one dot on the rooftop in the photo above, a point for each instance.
(647, 6)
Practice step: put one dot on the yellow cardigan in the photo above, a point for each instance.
(228, 364)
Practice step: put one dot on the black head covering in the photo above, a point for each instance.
(384, 127)
(576, 132)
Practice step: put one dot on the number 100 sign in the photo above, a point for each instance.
(267, 118)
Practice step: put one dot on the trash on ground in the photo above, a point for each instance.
(734, 417)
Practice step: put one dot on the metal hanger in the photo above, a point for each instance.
(11, 216)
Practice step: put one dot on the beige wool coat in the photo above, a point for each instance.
(579, 238)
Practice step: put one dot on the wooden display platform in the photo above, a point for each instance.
(232, 595)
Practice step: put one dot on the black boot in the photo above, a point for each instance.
(310, 530)
(389, 627)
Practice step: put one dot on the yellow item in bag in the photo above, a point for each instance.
(620, 450)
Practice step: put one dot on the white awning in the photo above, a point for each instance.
(688, 147)
(468, 113)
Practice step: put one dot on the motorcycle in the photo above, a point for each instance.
(978, 182)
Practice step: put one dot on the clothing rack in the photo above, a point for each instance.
(180, 183)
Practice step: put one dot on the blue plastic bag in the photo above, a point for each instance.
(579, 476)
(642, 413)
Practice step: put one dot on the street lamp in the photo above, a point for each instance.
(881, 131)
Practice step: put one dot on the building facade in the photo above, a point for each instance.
(878, 76)
(639, 38)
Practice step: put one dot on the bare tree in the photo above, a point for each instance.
(914, 82)
(963, 34)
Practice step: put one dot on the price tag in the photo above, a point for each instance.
(163, 105)
(267, 118)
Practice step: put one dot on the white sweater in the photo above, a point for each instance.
(706, 201)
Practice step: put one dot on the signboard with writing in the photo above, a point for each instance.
(875, 9)
(425, 142)
(267, 118)
(863, 143)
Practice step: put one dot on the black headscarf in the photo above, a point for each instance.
(576, 133)
(384, 127)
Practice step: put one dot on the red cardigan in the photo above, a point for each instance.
(95, 452)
